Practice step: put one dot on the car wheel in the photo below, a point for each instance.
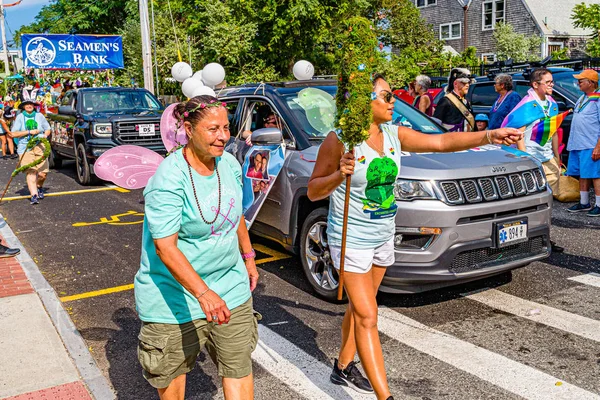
(84, 175)
(54, 160)
(316, 259)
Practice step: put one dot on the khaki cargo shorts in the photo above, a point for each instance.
(35, 154)
(166, 351)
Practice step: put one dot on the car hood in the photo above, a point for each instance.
(479, 162)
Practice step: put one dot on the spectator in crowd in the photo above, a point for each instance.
(453, 109)
(424, 100)
(5, 140)
(481, 122)
(411, 89)
(584, 142)
(9, 109)
(537, 105)
(506, 101)
(197, 269)
(30, 123)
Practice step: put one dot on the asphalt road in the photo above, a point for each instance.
(530, 334)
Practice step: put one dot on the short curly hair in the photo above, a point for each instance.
(424, 81)
(505, 80)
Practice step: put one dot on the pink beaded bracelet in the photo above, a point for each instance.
(247, 256)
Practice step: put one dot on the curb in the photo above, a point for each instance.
(91, 375)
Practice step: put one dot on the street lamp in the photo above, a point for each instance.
(465, 5)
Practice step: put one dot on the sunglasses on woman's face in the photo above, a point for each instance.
(386, 95)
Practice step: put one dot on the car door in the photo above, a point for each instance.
(63, 126)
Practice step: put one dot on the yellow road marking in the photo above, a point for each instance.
(275, 256)
(104, 189)
(114, 220)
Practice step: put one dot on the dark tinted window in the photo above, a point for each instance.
(484, 94)
(522, 88)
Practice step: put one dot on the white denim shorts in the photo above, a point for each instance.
(360, 261)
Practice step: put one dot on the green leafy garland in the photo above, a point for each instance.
(357, 57)
(30, 145)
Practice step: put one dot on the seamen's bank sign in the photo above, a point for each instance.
(72, 51)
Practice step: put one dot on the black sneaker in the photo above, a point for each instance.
(8, 252)
(350, 377)
(14, 155)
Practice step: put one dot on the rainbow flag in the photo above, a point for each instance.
(545, 129)
(594, 96)
(528, 110)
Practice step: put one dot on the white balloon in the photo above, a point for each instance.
(204, 91)
(303, 70)
(213, 74)
(181, 71)
(198, 76)
(189, 86)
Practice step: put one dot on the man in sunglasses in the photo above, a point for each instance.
(453, 109)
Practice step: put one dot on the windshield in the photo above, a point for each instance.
(118, 101)
(569, 85)
(315, 110)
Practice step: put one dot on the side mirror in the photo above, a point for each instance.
(66, 110)
(267, 136)
(562, 106)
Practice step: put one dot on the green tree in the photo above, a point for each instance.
(510, 44)
(588, 17)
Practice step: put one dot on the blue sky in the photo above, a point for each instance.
(22, 14)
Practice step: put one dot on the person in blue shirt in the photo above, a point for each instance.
(584, 142)
(197, 270)
(30, 123)
(506, 101)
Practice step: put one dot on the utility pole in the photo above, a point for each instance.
(4, 45)
(146, 46)
(465, 5)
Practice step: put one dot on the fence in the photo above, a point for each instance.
(483, 69)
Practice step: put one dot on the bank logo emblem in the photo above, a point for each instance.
(40, 51)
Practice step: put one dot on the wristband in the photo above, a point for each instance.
(487, 135)
(203, 293)
(247, 256)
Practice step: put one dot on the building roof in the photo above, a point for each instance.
(553, 17)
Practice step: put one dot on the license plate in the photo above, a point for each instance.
(146, 130)
(511, 232)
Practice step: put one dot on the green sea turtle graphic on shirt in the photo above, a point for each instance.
(30, 124)
(379, 194)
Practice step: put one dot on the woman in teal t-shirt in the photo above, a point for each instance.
(374, 166)
(194, 286)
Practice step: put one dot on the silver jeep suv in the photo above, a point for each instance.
(461, 216)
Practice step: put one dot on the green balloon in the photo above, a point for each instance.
(319, 107)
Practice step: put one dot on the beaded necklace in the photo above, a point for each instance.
(497, 105)
(194, 189)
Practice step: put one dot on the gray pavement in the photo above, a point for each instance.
(532, 334)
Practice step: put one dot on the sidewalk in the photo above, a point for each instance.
(43, 356)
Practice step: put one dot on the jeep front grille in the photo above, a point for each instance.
(492, 188)
(127, 133)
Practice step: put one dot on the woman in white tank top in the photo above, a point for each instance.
(375, 164)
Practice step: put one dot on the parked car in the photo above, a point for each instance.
(90, 121)
(434, 90)
(454, 209)
(566, 92)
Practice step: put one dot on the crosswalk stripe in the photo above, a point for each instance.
(300, 371)
(496, 369)
(559, 319)
(591, 279)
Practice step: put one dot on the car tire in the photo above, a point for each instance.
(84, 173)
(54, 160)
(315, 256)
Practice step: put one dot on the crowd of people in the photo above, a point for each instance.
(455, 113)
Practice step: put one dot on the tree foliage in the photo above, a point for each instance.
(588, 17)
(516, 46)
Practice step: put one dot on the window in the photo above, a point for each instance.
(488, 58)
(425, 3)
(555, 46)
(484, 94)
(450, 31)
(493, 13)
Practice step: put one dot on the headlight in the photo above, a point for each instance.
(104, 130)
(409, 190)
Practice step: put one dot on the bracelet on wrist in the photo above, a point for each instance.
(487, 135)
(247, 256)
(203, 293)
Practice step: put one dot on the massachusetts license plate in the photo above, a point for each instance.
(511, 232)
(146, 129)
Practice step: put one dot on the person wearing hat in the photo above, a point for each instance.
(453, 109)
(481, 122)
(5, 140)
(584, 142)
(28, 124)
